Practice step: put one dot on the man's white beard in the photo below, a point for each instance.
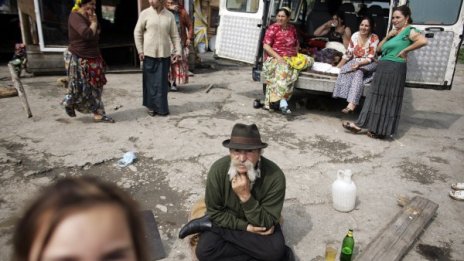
(252, 173)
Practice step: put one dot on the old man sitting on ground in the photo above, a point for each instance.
(244, 197)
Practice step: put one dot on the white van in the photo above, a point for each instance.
(243, 23)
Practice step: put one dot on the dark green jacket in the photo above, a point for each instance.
(264, 207)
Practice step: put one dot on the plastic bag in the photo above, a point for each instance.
(127, 159)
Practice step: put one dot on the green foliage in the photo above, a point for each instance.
(461, 55)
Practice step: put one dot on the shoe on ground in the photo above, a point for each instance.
(196, 226)
(351, 127)
(457, 186)
(173, 88)
(285, 110)
(151, 113)
(257, 104)
(104, 119)
(70, 111)
(457, 194)
(348, 110)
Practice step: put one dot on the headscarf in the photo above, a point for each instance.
(77, 5)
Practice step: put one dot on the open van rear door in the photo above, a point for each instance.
(239, 29)
(433, 66)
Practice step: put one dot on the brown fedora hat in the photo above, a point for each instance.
(244, 137)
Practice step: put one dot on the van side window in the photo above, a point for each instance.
(435, 12)
(246, 6)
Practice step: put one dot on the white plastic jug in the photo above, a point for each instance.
(344, 191)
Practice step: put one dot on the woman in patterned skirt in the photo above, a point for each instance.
(180, 69)
(84, 64)
(357, 65)
(280, 42)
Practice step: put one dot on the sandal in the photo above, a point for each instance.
(457, 194)
(151, 113)
(348, 110)
(351, 127)
(70, 111)
(457, 186)
(285, 110)
(257, 104)
(105, 119)
(371, 134)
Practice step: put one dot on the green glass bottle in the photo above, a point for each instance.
(347, 246)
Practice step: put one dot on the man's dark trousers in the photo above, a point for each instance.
(221, 244)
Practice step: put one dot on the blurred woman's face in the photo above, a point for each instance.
(97, 233)
(398, 19)
(282, 18)
(365, 27)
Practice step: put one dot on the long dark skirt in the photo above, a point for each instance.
(155, 84)
(382, 107)
(86, 77)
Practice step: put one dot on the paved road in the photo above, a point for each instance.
(175, 153)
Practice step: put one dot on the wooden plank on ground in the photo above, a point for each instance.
(19, 87)
(7, 92)
(394, 240)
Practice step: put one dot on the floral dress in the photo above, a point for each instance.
(350, 83)
(279, 77)
(179, 70)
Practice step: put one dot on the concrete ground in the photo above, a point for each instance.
(175, 153)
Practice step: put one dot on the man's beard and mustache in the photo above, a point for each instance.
(252, 173)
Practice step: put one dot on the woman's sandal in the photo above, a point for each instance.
(105, 119)
(457, 186)
(348, 110)
(151, 113)
(285, 110)
(70, 111)
(457, 194)
(351, 127)
(371, 134)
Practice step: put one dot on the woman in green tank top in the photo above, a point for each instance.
(382, 108)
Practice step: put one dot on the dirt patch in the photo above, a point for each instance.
(16, 161)
(336, 150)
(145, 180)
(435, 253)
(419, 172)
(438, 160)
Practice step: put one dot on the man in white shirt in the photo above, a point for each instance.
(153, 34)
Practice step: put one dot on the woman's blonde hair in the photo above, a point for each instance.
(78, 4)
(286, 10)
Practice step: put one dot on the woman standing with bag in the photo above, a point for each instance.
(84, 63)
(180, 69)
(380, 114)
